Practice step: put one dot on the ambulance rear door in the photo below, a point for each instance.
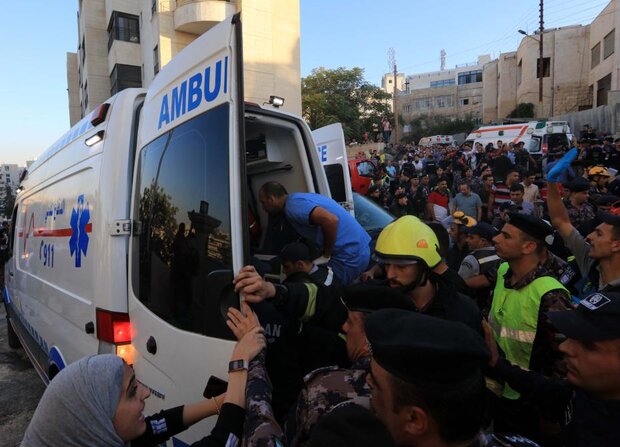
(188, 232)
(332, 152)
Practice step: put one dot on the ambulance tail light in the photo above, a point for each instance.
(544, 148)
(113, 327)
(127, 352)
(99, 114)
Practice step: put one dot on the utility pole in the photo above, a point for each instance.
(392, 64)
(541, 67)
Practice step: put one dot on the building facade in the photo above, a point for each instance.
(581, 70)
(124, 43)
(513, 78)
(453, 93)
(9, 176)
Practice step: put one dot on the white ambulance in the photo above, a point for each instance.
(127, 231)
(436, 139)
(538, 136)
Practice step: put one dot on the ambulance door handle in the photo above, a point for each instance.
(151, 345)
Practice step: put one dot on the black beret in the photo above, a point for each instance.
(607, 200)
(350, 425)
(295, 251)
(425, 350)
(531, 225)
(483, 229)
(579, 184)
(369, 298)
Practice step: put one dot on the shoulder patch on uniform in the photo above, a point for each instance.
(312, 374)
(595, 301)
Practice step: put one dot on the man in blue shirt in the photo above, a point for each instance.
(344, 243)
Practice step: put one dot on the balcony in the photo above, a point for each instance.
(198, 16)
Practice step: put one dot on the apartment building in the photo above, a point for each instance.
(124, 43)
(455, 92)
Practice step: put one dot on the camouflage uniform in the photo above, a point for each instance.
(260, 428)
(493, 440)
(324, 389)
(581, 215)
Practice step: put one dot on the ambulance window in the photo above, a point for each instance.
(335, 179)
(184, 211)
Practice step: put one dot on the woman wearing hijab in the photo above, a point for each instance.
(97, 402)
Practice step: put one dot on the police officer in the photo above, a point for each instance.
(579, 209)
(479, 262)
(426, 380)
(588, 404)
(525, 289)
(598, 254)
(328, 387)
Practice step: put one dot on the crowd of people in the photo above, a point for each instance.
(487, 314)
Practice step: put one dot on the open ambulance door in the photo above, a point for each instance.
(332, 151)
(189, 225)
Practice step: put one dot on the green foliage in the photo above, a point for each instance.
(342, 95)
(427, 125)
(523, 110)
(7, 202)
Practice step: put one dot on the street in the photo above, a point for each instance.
(21, 388)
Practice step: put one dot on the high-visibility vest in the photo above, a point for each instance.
(514, 318)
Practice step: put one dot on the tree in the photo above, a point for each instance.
(8, 201)
(523, 110)
(342, 95)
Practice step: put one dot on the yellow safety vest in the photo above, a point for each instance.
(514, 318)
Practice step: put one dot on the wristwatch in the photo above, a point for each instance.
(237, 365)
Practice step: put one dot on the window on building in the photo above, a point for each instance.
(124, 27)
(444, 101)
(407, 108)
(156, 59)
(125, 76)
(608, 44)
(422, 103)
(85, 96)
(595, 55)
(470, 77)
(464, 101)
(183, 252)
(83, 51)
(442, 83)
(519, 71)
(602, 89)
(546, 67)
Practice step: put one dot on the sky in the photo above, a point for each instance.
(37, 34)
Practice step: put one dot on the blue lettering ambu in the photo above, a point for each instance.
(188, 95)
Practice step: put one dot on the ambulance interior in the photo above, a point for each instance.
(275, 151)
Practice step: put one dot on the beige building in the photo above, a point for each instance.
(580, 69)
(604, 63)
(124, 43)
(513, 78)
(455, 92)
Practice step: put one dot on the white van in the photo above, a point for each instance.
(127, 231)
(538, 136)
